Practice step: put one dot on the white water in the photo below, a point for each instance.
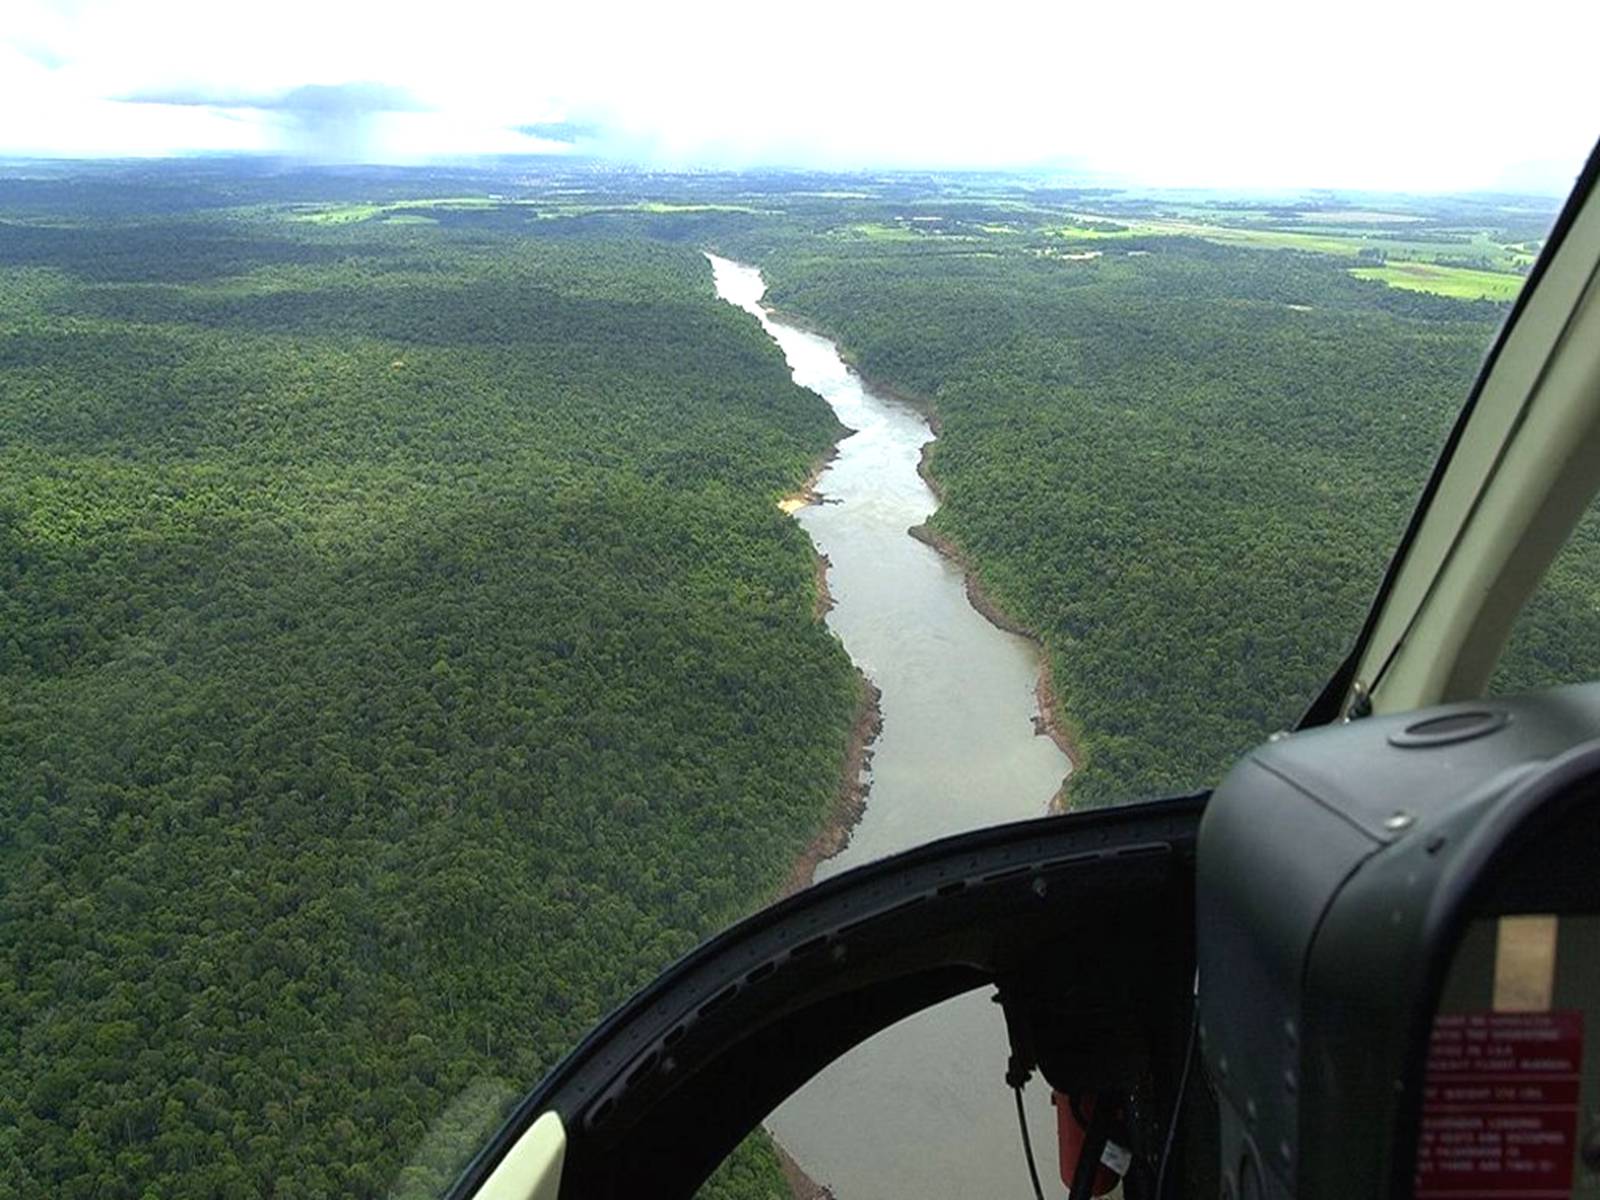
(921, 1112)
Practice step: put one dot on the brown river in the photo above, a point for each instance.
(922, 1111)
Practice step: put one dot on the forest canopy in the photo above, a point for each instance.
(401, 659)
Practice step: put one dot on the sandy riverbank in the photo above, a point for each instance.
(823, 602)
(851, 799)
(806, 494)
(801, 1185)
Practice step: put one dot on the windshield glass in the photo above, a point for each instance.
(488, 498)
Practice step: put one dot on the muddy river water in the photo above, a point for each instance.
(921, 1112)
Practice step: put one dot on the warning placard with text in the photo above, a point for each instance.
(1500, 1105)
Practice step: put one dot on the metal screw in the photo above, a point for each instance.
(1360, 702)
(1396, 821)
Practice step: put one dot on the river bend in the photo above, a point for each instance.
(921, 1112)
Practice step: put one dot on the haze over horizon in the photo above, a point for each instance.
(1426, 99)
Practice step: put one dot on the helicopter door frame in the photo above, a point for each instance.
(665, 1088)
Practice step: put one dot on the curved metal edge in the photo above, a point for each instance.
(843, 902)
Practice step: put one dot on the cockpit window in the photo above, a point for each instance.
(1556, 638)
(470, 532)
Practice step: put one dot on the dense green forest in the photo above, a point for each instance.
(401, 659)
(1183, 463)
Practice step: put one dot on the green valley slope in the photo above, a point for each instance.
(401, 659)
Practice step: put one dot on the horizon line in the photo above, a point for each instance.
(1090, 181)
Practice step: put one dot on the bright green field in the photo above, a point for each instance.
(1272, 239)
(658, 206)
(1316, 239)
(879, 231)
(341, 214)
(1461, 282)
(411, 211)
(338, 214)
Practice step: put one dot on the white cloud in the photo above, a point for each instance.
(1250, 93)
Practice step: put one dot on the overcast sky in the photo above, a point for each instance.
(1287, 93)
